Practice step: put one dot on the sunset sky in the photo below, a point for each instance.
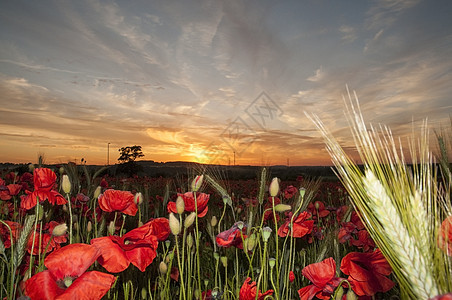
(204, 80)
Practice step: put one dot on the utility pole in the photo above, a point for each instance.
(108, 154)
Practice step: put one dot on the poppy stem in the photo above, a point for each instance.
(70, 218)
(198, 263)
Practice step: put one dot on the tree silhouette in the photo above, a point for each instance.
(129, 154)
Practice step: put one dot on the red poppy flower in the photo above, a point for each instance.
(290, 191)
(122, 201)
(44, 180)
(445, 236)
(301, 225)
(138, 246)
(231, 237)
(364, 241)
(346, 231)
(323, 278)
(189, 201)
(318, 208)
(367, 272)
(5, 233)
(65, 277)
(14, 189)
(248, 291)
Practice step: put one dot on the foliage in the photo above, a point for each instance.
(130, 153)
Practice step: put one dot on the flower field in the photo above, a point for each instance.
(67, 233)
(379, 232)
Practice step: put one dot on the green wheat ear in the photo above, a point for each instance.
(22, 241)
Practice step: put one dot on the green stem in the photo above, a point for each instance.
(263, 268)
(181, 269)
(70, 218)
(34, 237)
(276, 244)
(198, 263)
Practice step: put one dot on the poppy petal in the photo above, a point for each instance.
(112, 257)
(320, 273)
(142, 257)
(42, 286)
(91, 285)
(71, 260)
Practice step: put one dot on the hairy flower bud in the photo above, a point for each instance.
(282, 207)
(59, 230)
(174, 224)
(163, 268)
(250, 242)
(138, 198)
(189, 220)
(97, 192)
(190, 240)
(274, 187)
(213, 221)
(196, 183)
(180, 205)
(66, 184)
(111, 228)
(224, 261)
(89, 226)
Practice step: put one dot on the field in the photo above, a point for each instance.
(147, 230)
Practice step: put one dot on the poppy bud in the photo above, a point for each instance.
(197, 294)
(144, 293)
(174, 224)
(196, 183)
(59, 230)
(61, 170)
(250, 242)
(224, 261)
(339, 292)
(163, 268)
(317, 205)
(138, 198)
(66, 184)
(213, 221)
(97, 192)
(282, 207)
(111, 228)
(31, 168)
(189, 241)
(274, 187)
(351, 295)
(180, 205)
(189, 220)
(89, 226)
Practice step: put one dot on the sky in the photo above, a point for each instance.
(215, 81)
